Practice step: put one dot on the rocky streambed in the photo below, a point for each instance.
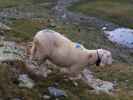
(62, 13)
(115, 33)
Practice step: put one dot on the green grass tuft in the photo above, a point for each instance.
(117, 11)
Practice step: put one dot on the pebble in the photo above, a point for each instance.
(46, 97)
(25, 81)
(56, 92)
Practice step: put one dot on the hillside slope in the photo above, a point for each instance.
(25, 18)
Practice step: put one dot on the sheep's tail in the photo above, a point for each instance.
(33, 49)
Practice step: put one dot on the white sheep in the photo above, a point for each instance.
(51, 45)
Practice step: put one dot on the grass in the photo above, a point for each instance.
(24, 29)
(16, 3)
(90, 37)
(119, 12)
(9, 87)
(119, 73)
(11, 3)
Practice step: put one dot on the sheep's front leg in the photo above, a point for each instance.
(72, 72)
(75, 72)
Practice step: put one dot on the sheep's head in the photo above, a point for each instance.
(104, 57)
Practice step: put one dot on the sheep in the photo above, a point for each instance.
(51, 45)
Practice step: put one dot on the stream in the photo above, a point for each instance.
(116, 34)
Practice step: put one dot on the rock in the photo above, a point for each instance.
(46, 97)
(121, 36)
(104, 28)
(97, 84)
(56, 92)
(64, 16)
(25, 81)
(4, 27)
(75, 83)
(52, 25)
(16, 99)
(104, 86)
(10, 52)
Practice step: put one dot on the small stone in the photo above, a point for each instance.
(114, 82)
(16, 98)
(75, 83)
(97, 84)
(52, 25)
(63, 16)
(25, 81)
(126, 80)
(46, 97)
(104, 28)
(4, 27)
(56, 92)
(121, 36)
